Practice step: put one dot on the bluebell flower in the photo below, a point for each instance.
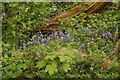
(58, 67)
(56, 33)
(41, 35)
(78, 67)
(18, 50)
(110, 35)
(92, 39)
(61, 33)
(34, 36)
(57, 37)
(83, 45)
(78, 42)
(95, 45)
(72, 39)
(68, 35)
(70, 71)
(38, 54)
(38, 37)
(81, 71)
(103, 34)
(25, 36)
(111, 52)
(75, 23)
(63, 74)
(30, 42)
(48, 38)
(88, 31)
(62, 38)
(106, 37)
(24, 47)
(85, 28)
(91, 68)
(66, 43)
(44, 40)
(96, 31)
(100, 25)
(78, 38)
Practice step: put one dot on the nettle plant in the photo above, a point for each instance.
(82, 51)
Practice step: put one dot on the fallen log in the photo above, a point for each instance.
(82, 7)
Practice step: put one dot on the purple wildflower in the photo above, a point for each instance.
(25, 36)
(38, 54)
(78, 42)
(30, 42)
(91, 68)
(56, 33)
(34, 36)
(83, 45)
(18, 50)
(65, 43)
(62, 38)
(88, 31)
(78, 67)
(48, 38)
(33, 42)
(85, 28)
(24, 47)
(103, 34)
(44, 40)
(72, 39)
(61, 33)
(68, 35)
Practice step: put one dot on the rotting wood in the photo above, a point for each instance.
(74, 11)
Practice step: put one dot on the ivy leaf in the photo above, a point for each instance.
(40, 64)
(51, 69)
(65, 67)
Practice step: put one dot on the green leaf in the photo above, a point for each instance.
(65, 67)
(11, 66)
(29, 75)
(82, 14)
(73, 19)
(51, 57)
(40, 64)
(24, 24)
(13, 74)
(51, 69)
(13, 32)
(67, 52)
(64, 58)
(24, 66)
(17, 73)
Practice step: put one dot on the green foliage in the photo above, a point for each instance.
(76, 53)
(51, 69)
